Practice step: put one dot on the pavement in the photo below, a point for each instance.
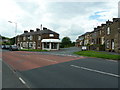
(62, 69)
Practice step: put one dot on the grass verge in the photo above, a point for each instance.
(104, 55)
(37, 50)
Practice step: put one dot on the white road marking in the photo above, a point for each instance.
(92, 70)
(22, 80)
(48, 60)
(112, 60)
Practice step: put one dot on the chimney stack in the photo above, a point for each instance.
(44, 28)
(31, 30)
(37, 29)
(116, 19)
(103, 24)
(25, 31)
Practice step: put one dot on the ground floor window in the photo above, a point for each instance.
(107, 44)
(39, 45)
(113, 44)
(46, 45)
(30, 44)
(53, 45)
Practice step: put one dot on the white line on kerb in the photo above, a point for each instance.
(112, 60)
(92, 70)
(22, 80)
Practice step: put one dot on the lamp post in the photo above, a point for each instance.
(15, 30)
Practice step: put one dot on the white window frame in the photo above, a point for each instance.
(108, 30)
(31, 37)
(24, 38)
(51, 35)
(39, 37)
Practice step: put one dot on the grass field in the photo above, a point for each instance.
(104, 55)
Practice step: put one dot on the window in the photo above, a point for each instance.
(24, 38)
(38, 44)
(108, 30)
(24, 44)
(31, 37)
(46, 45)
(54, 45)
(107, 44)
(102, 42)
(51, 35)
(113, 44)
(30, 44)
(28, 37)
(39, 37)
(100, 32)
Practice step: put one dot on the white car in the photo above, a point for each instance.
(84, 48)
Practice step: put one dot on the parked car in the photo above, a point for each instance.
(84, 48)
(2, 46)
(13, 48)
(7, 46)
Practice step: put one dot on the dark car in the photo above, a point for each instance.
(7, 46)
(13, 48)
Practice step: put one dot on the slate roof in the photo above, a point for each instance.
(46, 31)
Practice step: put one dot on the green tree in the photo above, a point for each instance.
(66, 42)
(12, 41)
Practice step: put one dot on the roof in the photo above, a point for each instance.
(50, 40)
(46, 31)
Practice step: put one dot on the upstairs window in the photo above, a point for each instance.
(108, 30)
(100, 32)
(51, 35)
(107, 44)
(39, 37)
(24, 38)
(31, 37)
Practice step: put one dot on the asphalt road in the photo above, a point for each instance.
(65, 75)
(78, 73)
(8, 78)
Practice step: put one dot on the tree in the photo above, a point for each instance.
(66, 42)
(12, 41)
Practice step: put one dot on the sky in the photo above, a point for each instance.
(70, 18)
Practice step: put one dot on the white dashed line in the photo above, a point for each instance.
(22, 80)
(92, 70)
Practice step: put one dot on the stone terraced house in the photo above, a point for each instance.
(45, 39)
(104, 38)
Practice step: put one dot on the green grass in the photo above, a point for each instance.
(38, 50)
(104, 55)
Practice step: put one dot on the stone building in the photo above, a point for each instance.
(105, 37)
(45, 39)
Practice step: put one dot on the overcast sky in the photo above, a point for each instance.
(67, 18)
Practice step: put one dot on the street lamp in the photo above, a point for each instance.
(15, 30)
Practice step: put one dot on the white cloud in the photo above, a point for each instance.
(67, 18)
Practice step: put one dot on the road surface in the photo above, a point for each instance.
(40, 70)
